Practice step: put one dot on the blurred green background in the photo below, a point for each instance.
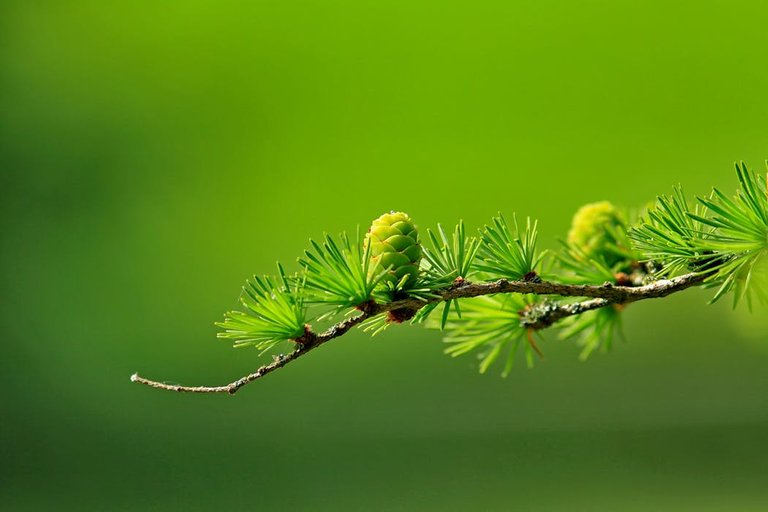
(155, 154)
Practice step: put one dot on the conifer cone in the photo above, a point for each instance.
(594, 229)
(395, 245)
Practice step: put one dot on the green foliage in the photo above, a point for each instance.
(739, 233)
(593, 330)
(275, 312)
(451, 257)
(598, 250)
(449, 260)
(580, 268)
(672, 235)
(723, 237)
(757, 286)
(506, 253)
(490, 326)
(340, 274)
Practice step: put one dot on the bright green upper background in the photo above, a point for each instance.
(155, 154)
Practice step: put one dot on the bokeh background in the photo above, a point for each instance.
(155, 154)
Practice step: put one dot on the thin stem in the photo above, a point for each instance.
(599, 296)
(309, 342)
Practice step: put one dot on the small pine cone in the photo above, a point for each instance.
(394, 243)
(591, 231)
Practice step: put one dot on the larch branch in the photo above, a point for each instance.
(537, 318)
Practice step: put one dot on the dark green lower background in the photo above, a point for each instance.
(152, 156)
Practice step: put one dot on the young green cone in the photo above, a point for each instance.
(394, 244)
(595, 229)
